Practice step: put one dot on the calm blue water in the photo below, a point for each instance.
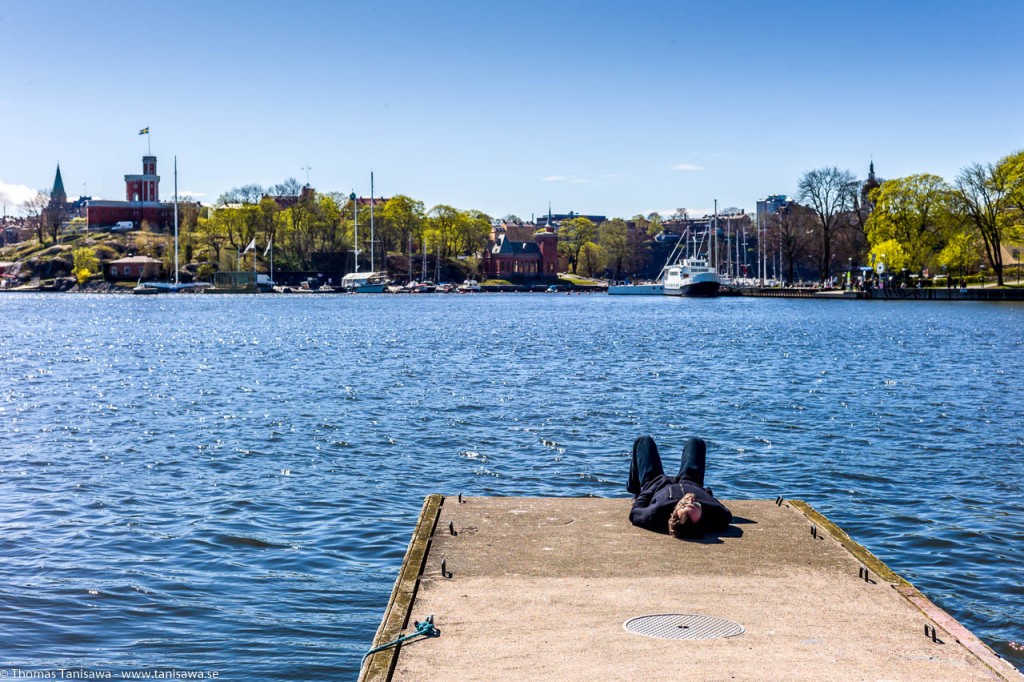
(229, 483)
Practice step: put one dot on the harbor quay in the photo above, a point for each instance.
(565, 588)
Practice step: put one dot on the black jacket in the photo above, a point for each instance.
(654, 505)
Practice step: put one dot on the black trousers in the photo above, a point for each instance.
(646, 463)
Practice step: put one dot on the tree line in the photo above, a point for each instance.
(311, 230)
(919, 223)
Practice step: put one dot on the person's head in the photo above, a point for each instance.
(685, 518)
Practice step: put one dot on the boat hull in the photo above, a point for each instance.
(703, 285)
(368, 289)
(636, 290)
(700, 289)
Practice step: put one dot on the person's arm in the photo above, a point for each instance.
(643, 512)
(715, 515)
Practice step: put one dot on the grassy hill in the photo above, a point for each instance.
(36, 264)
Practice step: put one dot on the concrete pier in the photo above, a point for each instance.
(540, 589)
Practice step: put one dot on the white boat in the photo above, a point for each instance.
(470, 286)
(421, 287)
(365, 282)
(695, 274)
(692, 277)
(682, 275)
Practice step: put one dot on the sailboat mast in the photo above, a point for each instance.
(372, 269)
(355, 218)
(714, 240)
(175, 219)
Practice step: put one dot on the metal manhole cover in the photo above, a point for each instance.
(683, 626)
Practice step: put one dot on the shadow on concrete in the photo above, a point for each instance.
(716, 538)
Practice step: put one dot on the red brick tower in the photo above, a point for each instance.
(547, 242)
(145, 187)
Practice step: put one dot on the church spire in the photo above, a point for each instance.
(870, 184)
(58, 193)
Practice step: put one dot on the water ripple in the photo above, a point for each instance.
(230, 483)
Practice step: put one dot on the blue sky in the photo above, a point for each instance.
(612, 108)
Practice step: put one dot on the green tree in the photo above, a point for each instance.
(573, 235)
(960, 254)
(330, 236)
(983, 195)
(405, 216)
(235, 225)
(592, 260)
(654, 224)
(917, 211)
(826, 191)
(472, 231)
(210, 237)
(1013, 167)
(892, 254)
(271, 224)
(86, 264)
(188, 221)
(613, 237)
(641, 222)
(442, 228)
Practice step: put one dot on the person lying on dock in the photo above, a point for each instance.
(679, 505)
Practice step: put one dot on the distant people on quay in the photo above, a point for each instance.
(679, 505)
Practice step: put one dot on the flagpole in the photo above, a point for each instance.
(175, 221)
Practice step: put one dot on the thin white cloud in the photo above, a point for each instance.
(571, 179)
(15, 195)
(611, 176)
(186, 193)
(686, 167)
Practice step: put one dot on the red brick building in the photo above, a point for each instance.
(142, 202)
(133, 268)
(510, 253)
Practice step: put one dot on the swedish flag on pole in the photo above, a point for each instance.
(144, 131)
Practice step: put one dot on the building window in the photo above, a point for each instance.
(113, 270)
